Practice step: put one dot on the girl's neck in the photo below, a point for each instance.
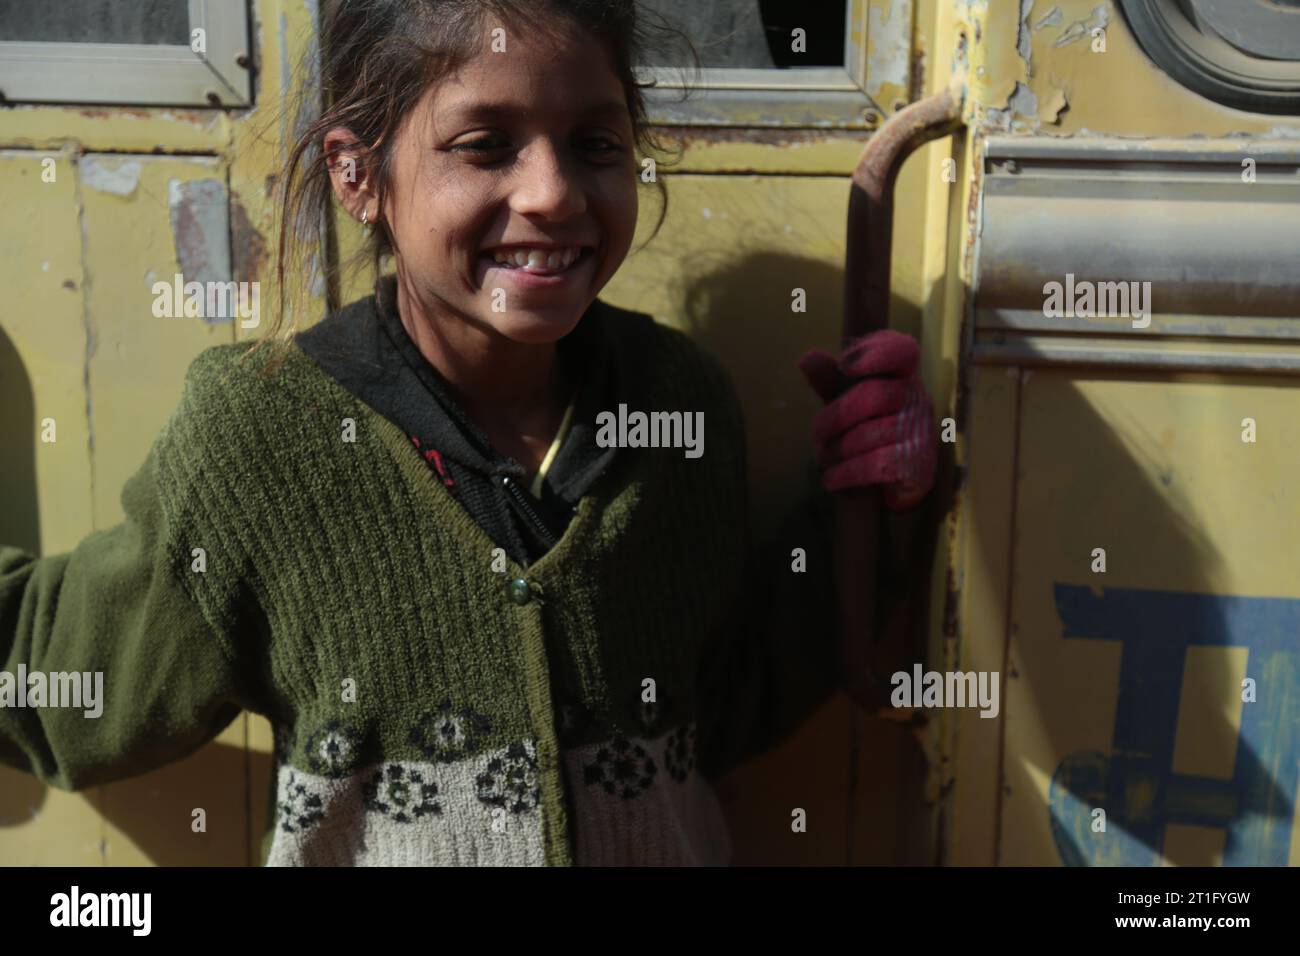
(505, 387)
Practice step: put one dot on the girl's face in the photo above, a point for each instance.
(512, 198)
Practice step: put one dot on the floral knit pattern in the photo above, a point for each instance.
(446, 734)
(333, 750)
(510, 781)
(401, 794)
(621, 767)
(679, 752)
(627, 813)
(299, 807)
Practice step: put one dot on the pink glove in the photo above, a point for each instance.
(880, 431)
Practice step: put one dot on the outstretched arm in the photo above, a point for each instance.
(112, 627)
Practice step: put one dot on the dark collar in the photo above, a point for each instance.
(365, 347)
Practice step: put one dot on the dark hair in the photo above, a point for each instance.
(377, 58)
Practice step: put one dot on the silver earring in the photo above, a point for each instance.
(365, 229)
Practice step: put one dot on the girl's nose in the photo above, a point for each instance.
(545, 187)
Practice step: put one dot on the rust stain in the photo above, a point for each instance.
(136, 112)
(951, 592)
(972, 210)
(952, 587)
(685, 136)
(248, 246)
(116, 113)
(143, 113)
(917, 88)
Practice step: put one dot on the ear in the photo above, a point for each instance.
(354, 186)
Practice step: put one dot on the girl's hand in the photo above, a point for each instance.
(880, 429)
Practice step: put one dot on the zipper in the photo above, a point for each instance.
(534, 519)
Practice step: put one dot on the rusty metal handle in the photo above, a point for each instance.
(866, 309)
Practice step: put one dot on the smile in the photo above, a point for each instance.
(534, 260)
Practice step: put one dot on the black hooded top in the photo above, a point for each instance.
(365, 347)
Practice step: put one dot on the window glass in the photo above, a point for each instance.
(153, 22)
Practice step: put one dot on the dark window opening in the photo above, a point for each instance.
(758, 34)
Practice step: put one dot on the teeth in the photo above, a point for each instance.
(538, 260)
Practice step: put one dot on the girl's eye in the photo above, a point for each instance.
(481, 147)
(493, 147)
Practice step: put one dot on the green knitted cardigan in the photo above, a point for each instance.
(285, 551)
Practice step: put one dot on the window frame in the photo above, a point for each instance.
(138, 74)
(836, 96)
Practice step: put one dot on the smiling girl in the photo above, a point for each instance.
(481, 636)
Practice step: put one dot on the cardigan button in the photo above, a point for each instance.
(520, 592)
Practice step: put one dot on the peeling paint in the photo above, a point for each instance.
(1053, 18)
(115, 130)
(889, 47)
(199, 220)
(1021, 110)
(1051, 109)
(110, 175)
(193, 117)
(1082, 28)
(1024, 45)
